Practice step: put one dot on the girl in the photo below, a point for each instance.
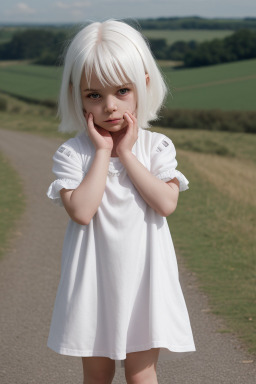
(119, 297)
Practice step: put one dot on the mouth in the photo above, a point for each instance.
(113, 121)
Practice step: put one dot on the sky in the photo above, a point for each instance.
(70, 11)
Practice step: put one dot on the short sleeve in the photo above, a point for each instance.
(67, 167)
(163, 160)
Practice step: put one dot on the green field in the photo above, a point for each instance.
(227, 86)
(172, 36)
(32, 81)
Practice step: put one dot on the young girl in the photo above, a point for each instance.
(119, 296)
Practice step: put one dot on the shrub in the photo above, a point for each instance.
(215, 120)
(3, 104)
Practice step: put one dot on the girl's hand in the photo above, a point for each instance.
(127, 140)
(100, 137)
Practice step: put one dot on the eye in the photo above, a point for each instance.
(93, 96)
(124, 91)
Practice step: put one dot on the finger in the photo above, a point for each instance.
(132, 121)
(90, 122)
(133, 118)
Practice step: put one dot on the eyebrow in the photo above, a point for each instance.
(99, 90)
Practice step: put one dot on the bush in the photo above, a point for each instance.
(3, 104)
(214, 120)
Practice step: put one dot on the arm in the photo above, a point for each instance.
(82, 203)
(160, 196)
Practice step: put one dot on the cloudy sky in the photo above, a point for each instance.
(51, 11)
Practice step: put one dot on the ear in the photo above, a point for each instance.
(147, 79)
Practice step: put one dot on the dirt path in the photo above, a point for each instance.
(29, 276)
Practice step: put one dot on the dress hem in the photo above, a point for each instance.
(121, 356)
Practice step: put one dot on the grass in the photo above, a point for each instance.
(32, 81)
(172, 36)
(12, 203)
(227, 86)
(214, 225)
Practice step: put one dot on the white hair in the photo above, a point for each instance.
(118, 54)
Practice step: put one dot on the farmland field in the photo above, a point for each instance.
(172, 36)
(227, 86)
(32, 81)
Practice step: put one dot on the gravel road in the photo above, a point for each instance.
(29, 276)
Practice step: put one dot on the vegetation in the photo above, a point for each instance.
(46, 47)
(12, 203)
(239, 46)
(31, 82)
(211, 120)
(217, 222)
(197, 23)
(171, 36)
(43, 46)
(229, 86)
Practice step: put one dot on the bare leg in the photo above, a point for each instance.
(140, 367)
(98, 370)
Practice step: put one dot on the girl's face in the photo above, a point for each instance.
(108, 104)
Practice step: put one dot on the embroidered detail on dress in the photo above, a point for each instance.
(113, 173)
(161, 146)
(65, 151)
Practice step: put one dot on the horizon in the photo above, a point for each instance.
(59, 23)
(73, 11)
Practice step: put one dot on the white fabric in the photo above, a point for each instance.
(119, 290)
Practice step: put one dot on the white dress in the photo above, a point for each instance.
(119, 290)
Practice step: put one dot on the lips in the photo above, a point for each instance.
(110, 120)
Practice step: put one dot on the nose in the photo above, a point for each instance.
(110, 104)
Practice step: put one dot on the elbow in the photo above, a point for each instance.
(167, 209)
(82, 219)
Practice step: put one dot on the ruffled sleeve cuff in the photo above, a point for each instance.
(55, 187)
(171, 174)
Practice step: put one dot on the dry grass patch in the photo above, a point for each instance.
(231, 176)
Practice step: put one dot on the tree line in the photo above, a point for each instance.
(197, 22)
(39, 45)
(241, 45)
(45, 47)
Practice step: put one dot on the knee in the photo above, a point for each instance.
(99, 377)
(144, 377)
(98, 370)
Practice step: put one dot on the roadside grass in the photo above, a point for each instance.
(12, 203)
(214, 230)
(38, 119)
(214, 225)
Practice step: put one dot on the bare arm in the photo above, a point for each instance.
(160, 196)
(82, 203)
